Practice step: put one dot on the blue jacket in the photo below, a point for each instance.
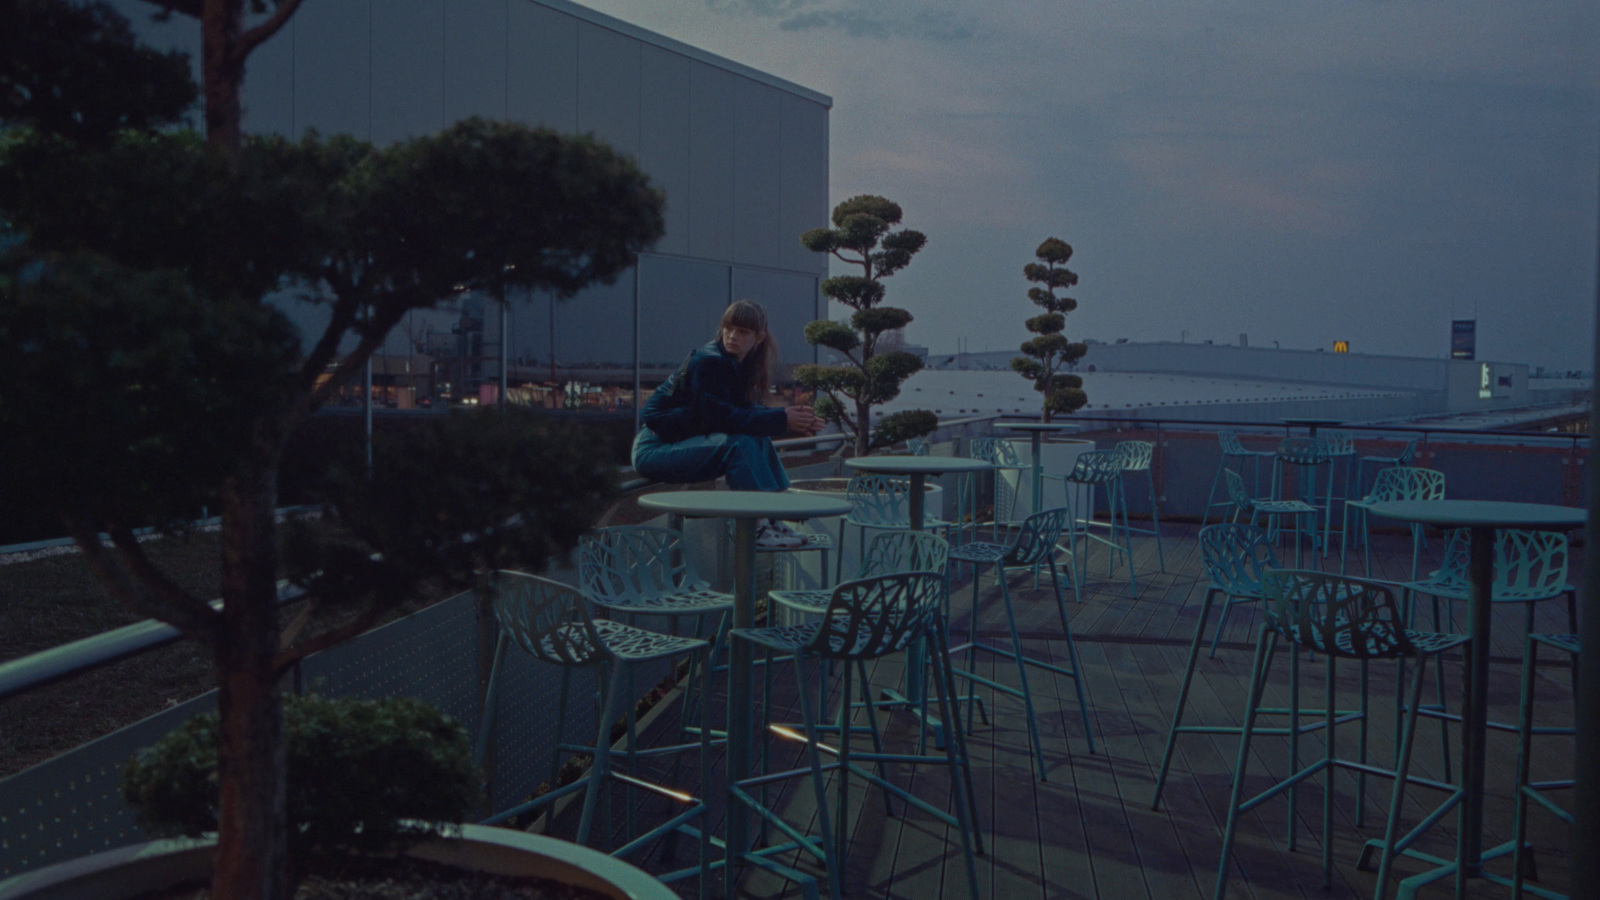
(710, 394)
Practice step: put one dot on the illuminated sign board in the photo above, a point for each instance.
(1485, 378)
(1464, 339)
(1341, 346)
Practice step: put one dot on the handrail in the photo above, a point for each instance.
(48, 666)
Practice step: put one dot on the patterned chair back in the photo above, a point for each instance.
(1303, 451)
(1335, 614)
(1231, 445)
(1340, 443)
(1096, 467)
(548, 619)
(1135, 455)
(1236, 556)
(633, 564)
(1407, 483)
(905, 551)
(1528, 565)
(996, 451)
(873, 617)
(1236, 492)
(879, 499)
(917, 446)
(1036, 537)
(1407, 453)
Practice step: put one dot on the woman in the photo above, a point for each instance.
(708, 419)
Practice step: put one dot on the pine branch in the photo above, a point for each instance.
(138, 584)
(331, 638)
(255, 36)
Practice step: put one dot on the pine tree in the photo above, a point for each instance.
(1050, 352)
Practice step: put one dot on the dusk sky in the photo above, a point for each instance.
(1297, 171)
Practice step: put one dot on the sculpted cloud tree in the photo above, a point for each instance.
(862, 236)
(1050, 352)
(147, 375)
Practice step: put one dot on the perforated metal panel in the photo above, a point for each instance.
(71, 805)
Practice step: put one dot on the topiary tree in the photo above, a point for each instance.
(862, 236)
(1048, 353)
(145, 375)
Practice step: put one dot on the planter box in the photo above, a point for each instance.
(130, 871)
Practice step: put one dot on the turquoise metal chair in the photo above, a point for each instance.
(1407, 454)
(551, 622)
(1307, 462)
(878, 502)
(1137, 456)
(634, 570)
(1033, 543)
(1341, 448)
(916, 446)
(1272, 510)
(865, 620)
(1528, 790)
(1002, 455)
(1102, 470)
(1237, 557)
(1234, 451)
(1396, 483)
(1340, 618)
(1529, 567)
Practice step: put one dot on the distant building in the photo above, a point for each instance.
(741, 154)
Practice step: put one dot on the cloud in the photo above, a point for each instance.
(857, 18)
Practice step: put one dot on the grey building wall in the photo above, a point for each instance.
(742, 155)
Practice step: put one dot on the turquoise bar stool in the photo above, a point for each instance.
(1233, 451)
(1528, 790)
(1271, 510)
(888, 553)
(1097, 470)
(550, 621)
(1396, 483)
(1338, 617)
(1341, 447)
(634, 570)
(865, 620)
(1307, 461)
(1003, 456)
(1408, 452)
(1529, 567)
(1137, 457)
(1033, 544)
(880, 503)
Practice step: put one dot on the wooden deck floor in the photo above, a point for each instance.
(1089, 831)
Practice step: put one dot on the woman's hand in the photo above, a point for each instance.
(803, 421)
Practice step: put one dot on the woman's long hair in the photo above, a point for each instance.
(763, 357)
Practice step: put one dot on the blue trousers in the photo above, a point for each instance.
(748, 463)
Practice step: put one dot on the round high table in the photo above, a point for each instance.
(1036, 432)
(918, 468)
(744, 507)
(1481, 518)
(1310, 423)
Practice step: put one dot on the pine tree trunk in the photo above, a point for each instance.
(863, 428)
(252, 828)
(221, 70)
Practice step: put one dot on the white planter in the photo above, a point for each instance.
(130, 871)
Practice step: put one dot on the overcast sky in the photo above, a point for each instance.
(1297, 171)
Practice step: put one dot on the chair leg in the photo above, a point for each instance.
(1402, 772)
(877, 738)
(1022, 675)
(960, 770)
(1216, 638)
(1155, 522)
(1266, 643)
(1183, 696)
(841, 830)
(600, 769)
(1072, 655)
(814, 756)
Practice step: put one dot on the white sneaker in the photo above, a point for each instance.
(772, 535)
